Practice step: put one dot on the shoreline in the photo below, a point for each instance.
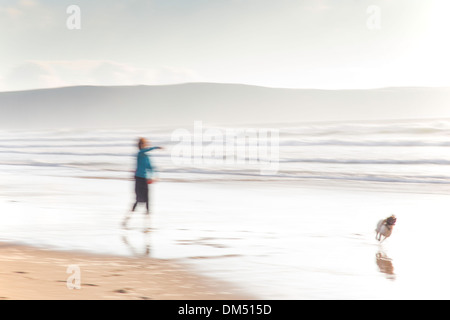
(305, 183)
(29, 273)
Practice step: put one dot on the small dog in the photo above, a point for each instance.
(385, 227)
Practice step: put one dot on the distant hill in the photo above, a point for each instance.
(129, 106)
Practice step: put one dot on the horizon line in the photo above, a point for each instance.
(225, 83)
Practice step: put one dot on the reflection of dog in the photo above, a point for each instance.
(384, 228)
(385, 264)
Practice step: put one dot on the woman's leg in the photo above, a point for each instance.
(127, 216)
(147, 203)
(136, 189)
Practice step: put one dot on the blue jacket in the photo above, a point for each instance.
(144, 165)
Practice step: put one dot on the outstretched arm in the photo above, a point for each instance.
(149, 149)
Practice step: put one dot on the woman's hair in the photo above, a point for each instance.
(141, 143)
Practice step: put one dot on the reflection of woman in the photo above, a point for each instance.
(143, 175)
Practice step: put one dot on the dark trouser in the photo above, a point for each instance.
(142, 192)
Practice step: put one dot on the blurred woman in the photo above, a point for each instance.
(143, 175)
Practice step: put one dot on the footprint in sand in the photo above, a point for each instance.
(123, 291)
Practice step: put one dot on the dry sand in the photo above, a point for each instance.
(30, 273)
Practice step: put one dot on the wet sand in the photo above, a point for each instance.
(28, 273)
(276, 241)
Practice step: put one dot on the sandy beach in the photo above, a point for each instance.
(224, 249)
(29, 274)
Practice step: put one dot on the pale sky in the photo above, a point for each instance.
(326, 44)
